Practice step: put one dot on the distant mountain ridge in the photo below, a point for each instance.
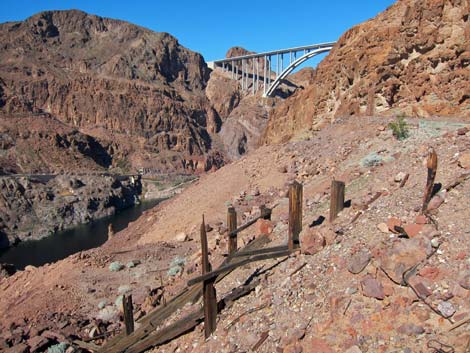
(138, 92)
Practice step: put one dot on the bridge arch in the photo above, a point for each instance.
(275, 84)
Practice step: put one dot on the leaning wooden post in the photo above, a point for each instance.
(232, 226)
(209, 294)
(295, 214)
(128, 311)
(432, 169)
(336, 199)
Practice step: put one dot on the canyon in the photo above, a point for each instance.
(84, 93)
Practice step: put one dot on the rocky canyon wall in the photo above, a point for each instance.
(412, 59)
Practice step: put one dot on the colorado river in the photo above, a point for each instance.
(68, 242)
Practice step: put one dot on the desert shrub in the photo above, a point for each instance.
(58, 348)
(399, 128)
(372, 160)
(176, 266)
(116, 266)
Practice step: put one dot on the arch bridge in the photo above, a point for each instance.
(267, 70)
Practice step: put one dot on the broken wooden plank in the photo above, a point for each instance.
(295, 214)
(264, 337)
(189, 322)
(237, 264)
(260, 251)
(150, 322)
(404, 180)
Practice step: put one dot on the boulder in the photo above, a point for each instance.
(401, 255)
(359, 261)
(413, 229)
(392, 222)
(311, 241)
(464, 160)
(264, 227)
(372, 288)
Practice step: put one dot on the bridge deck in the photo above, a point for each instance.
(275, 52)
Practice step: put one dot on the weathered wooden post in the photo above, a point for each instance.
(232, 226)
(295, 214)
(128, 310)
(265, 212)
(110, 231)
(209, 294)
(432, 169)
(336, 198)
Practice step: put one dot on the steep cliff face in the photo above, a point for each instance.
(244, 116)
(412, 59)
(97, 73)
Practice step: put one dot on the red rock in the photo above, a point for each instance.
(403, 254)
(464, 160)
(465, 281)
(462, 131)
(421, 219)
(359, 261)
(422, 290)
(436, 201)
(316, 345)
(413, 229)
(19, 348)
(37, 343)
(460, 316)
(410, 329)
(392, 222)
(431, 273)
(311, 241)
(372, 288)
(264, 227)
(293, 348)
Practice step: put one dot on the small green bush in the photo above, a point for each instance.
(399, 128)
(116, 266)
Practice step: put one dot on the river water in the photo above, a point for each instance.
(65, 243)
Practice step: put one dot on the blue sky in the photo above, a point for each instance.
(212, 27)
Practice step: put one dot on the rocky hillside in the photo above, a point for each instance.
(123, 84)
(336, 295)
(411, 59)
